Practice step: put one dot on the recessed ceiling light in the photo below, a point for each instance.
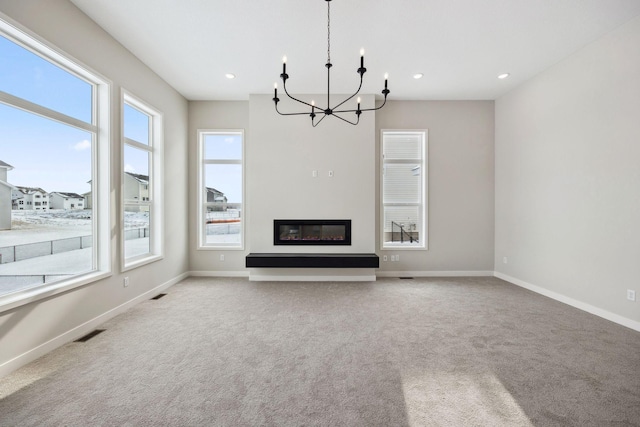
(418, 76)
(503, 76)
(230, 76)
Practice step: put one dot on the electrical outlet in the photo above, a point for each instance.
(397, 257)
(221, 257)
(384, 257)
(314, 174)
(505, 260)
(126, 281)
(393, 258)
(631, 295)
(330, 174)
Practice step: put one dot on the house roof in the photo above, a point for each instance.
(214, 190)
(30, 190)
(141, 178)
(72, 195)
(5, 165)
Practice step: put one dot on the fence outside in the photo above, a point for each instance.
(50, 247)
(14, 282)
(220, 229)
(136, 233)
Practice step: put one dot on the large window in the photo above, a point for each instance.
(141, 182)
(404, 189)
(53, 139)
(221, 188)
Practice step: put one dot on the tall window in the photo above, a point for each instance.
(141, 182)
(404, 189)
(221, 188)
(53, 138)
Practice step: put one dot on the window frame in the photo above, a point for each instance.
(201, 199)
(155, 149)
(100, 158)
(423, 243)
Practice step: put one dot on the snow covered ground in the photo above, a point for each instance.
(40, 226)
(37, 229)
(30, 227)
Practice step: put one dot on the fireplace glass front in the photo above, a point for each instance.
(312, 232)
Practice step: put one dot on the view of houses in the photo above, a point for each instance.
(15, 197)
(136, 189)
(19, 198)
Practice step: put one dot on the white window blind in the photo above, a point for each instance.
(404, 189)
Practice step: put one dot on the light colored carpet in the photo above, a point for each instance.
(422, 352)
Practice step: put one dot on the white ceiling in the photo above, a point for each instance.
(460, 45)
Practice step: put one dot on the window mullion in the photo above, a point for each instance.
(222, 162)
(47, 113)
(136, 144)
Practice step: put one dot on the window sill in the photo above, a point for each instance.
(401, 247)
(35, 294)
(139, 262)
(220, 248)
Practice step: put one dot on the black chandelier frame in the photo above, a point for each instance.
(328, 111)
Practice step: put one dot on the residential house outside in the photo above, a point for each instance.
(5, 196)
(29, 198)
(66, 201)
(136, 189)
(217, 197)
(87, 200)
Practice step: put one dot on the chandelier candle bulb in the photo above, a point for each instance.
(361, 58)
(284, 64)
(386, 77)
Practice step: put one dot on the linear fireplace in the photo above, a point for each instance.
(312, 232)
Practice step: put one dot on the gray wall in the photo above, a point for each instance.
(212, 115)
(460, 186)
(568, 178)
(280, 160)
(281, 153)
(32, 329)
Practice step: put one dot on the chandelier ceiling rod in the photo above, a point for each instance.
(328, 111)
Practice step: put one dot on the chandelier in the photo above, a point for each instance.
(334, 111)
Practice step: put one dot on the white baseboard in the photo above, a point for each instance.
(616, 318)
(219, 273)
(384, 273)
(310, 278)
(81, 330)
(339, 278)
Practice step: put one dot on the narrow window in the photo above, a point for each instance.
(221, 189)
(404, 189)
(141, 183)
